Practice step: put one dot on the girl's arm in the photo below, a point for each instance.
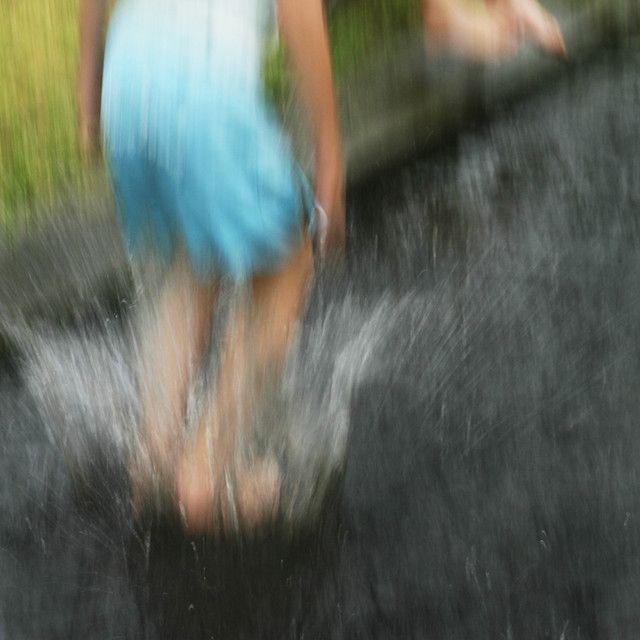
(92, 18)
(304, 32)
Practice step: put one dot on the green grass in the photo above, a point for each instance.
(355, 29)
(39, 155)
(38, 61)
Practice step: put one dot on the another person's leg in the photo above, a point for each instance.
(476, 31)
(217, 488)
(489, 30)
(173, 332)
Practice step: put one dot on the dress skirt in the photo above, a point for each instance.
(197, 160)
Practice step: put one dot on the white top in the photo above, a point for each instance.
(227, 35)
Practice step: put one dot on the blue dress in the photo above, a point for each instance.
(196, 158)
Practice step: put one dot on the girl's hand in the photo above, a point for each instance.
(330, 202)
(304, 31)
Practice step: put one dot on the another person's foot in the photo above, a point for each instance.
(480, 33)
(537, 24)
(491, 32)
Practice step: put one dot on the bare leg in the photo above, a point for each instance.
(476, 32)
(490, 32)
(252, 356)
(536, 24)
(173, 335)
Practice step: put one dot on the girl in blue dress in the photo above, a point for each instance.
(204, 179)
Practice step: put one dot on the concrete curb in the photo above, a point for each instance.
(62, 264)
(395, 107)
(408, 102)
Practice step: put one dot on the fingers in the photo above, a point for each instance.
(329, 204)
(321, 220)
(329, 215)
(330, 230)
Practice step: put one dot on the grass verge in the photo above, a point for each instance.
(39, 156)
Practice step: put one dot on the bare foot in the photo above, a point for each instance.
(258, 493)
(537, 25)
(198, 488)
(483, 34)
(151, 471)
(490, 33)
(213, 498)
